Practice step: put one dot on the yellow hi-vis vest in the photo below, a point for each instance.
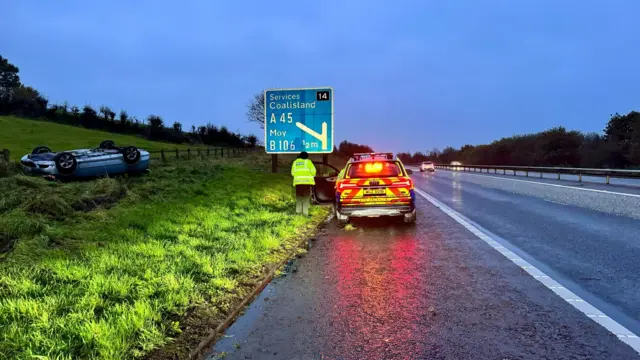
(303, 172)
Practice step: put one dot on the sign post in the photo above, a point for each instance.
(298, 120)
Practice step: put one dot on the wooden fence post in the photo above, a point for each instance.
(222, 152)
(164, 159)
(177, 154)
(188, 153)
(6, 154)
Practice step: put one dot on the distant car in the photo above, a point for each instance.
(427, 166)
(457, 165)
(107, 159)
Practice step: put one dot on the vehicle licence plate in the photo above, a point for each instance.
(375, 191)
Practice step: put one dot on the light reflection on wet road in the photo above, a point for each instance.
(433, 291)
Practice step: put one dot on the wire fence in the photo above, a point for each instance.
(166, 154)
(188, 153)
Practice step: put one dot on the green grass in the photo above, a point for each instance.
(21, 136)
(108, 268)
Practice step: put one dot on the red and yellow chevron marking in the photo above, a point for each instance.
(393, 195)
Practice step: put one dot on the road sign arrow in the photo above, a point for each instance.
(322, 136)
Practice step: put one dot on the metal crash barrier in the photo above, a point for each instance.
(559, 171)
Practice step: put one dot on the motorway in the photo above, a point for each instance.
(495, 268)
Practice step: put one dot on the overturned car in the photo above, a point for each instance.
(107, 159)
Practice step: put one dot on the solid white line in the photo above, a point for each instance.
(554, 185)
(589, 310)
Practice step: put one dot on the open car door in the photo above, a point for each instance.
(325, 190)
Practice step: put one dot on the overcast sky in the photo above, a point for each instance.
(407, 75)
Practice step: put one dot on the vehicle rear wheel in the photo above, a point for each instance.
(410, 218)
(40, 150)
(107, 144)
(342, 219)
(131, 155)
(66, 163)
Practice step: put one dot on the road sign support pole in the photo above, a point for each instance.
(325, 159)
(274, 163)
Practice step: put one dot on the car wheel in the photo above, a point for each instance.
(131, 155)
(342, 219)
(410, 218)
(40, 150)
(66, 163)
(107, 144)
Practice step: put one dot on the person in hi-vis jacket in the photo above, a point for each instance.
(303, 173)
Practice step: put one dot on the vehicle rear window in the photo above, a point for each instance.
(376, 169)
(427, 162)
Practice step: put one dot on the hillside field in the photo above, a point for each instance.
(20, 136)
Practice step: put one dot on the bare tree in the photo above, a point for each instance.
(124, 117)
(255, 109)
(105, 111)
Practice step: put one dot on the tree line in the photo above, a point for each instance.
(617, 147)
(25, 101)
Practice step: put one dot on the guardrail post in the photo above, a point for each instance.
(558, 176)
(6, 154)
(514, 173)
(608, 179)
(579, 177)
(540, 175)
(526, 173)
(504, 172)
(164, 159)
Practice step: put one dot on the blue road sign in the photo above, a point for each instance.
(298, 120)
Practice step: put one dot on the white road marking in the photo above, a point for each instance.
(583, 306)
(556, 185)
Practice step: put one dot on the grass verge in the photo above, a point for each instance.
(115, 268)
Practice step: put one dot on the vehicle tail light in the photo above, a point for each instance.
(406, 182)
(345, 184)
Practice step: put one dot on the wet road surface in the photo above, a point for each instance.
(574, 234)
(432, 291)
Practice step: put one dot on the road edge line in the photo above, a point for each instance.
(621, 332)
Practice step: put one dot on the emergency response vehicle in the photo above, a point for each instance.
(372, 185)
